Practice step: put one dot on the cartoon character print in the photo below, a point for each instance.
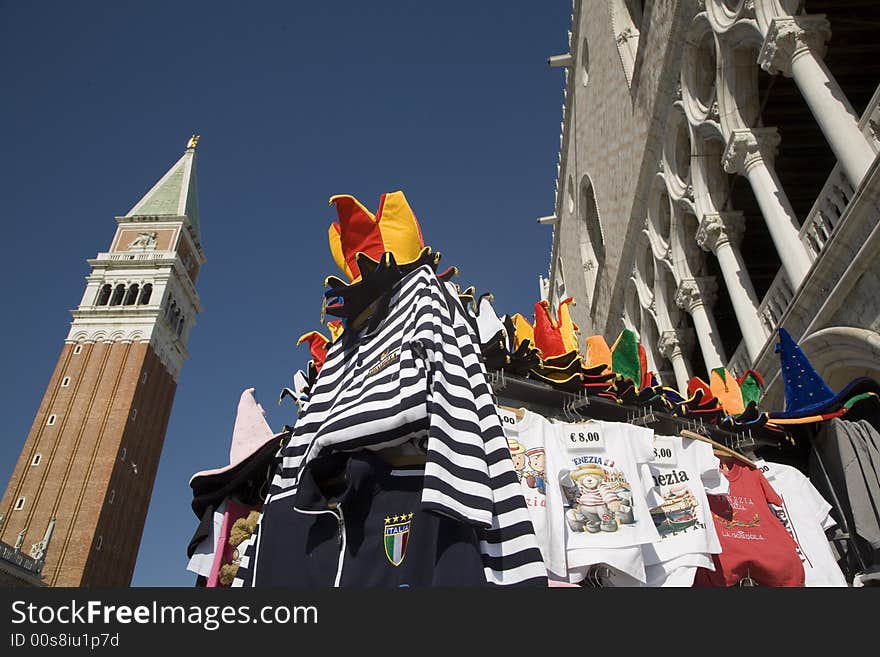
(518, 454)
(600, 500)
(535, 478)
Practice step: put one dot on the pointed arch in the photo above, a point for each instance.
(592, 238)
(626, 21)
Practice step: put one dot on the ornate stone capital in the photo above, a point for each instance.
(789, 36)
(668, 345)
(746, 148)
(674, 344)
(695, 292)
(717, 230)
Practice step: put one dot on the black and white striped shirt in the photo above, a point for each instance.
(417, 375)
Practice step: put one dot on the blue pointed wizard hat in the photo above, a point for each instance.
(806, 393)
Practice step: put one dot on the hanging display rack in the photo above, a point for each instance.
(513, 390)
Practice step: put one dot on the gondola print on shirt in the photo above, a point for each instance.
(678, 511)
(599, 498)
(397, 536)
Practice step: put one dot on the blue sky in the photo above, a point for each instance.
(451, 102)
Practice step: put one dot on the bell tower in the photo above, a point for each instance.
(89, 462)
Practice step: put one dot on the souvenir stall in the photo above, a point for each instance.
(437, 443)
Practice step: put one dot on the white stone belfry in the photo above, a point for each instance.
(143, 288)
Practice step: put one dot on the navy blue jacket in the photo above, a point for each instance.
(354, 521)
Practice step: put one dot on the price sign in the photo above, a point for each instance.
(588, 437)
(508, 420)
(664, 451)
(761, 464)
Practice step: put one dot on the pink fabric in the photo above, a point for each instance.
(250, 433)
(223, 552)
(552, 583)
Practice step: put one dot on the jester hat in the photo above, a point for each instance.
(374, 252)
(523, 331)
(393, 228)
(598, 354)
(520, 336)
(555, 336)
(336, 327)
(751, 385)
(253, 446)
(628, 359)
(318, 346)
(697, 384)
(726, 390)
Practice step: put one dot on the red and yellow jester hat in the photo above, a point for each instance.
(317, 347)
(393, 228)
(555, 337)
(522, 331)
(336, 328)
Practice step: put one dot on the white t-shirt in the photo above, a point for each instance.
(806, 517)
(676, 479)
(627, 565)
(596, 502)
(526, 440)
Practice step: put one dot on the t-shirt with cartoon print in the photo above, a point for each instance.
(595, 497)
(525, 439)
(805, 514)
(625, 565)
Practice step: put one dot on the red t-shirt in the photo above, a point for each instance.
(754, 541)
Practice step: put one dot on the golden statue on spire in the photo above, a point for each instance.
(192, 141)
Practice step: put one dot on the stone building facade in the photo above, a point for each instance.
(81, 487)
(718, 179)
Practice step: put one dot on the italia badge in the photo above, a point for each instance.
(396, 537)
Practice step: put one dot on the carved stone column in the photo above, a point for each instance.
(751, 153)
(673, 345)
(721, 234)
(696, 296)
(795, 47)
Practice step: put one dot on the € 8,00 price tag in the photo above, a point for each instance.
(587, 437)
(664, 451)
(508, 419)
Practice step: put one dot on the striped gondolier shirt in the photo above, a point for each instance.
(597, 496)
(416, 374)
